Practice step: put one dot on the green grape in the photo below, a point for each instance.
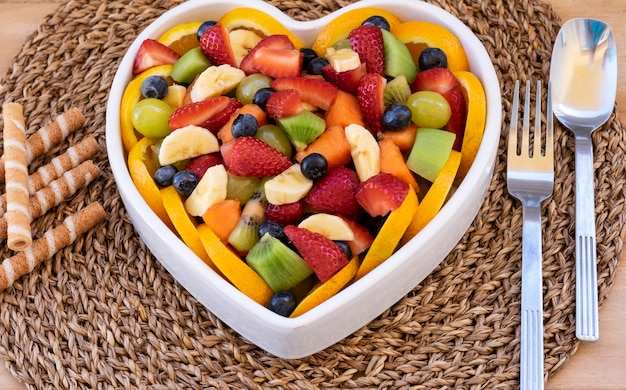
(429, 109)
(249, 85)
(241, 188)
(275, 137)
(150, 117)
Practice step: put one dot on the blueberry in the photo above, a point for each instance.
(185, 182)
(164, 175)
(377, 21)
(309, 55)
(316, 65)
(432, 57)
(261, 96)
(154, 87)
(314, 166)
(283, 303)
(244, 125)
(396, 117)
(345, 248)
(274, 229)
(205, 26)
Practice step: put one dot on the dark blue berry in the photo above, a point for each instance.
(377, 21)
(345, 248)
(274, 229)
(432, 57)
(308, 56)
(314, 166)
(396, 117)
(316, 65)
(185, 182)
(244, 125)
(205, 26)
(154, 87)
(260, 97)
(164, 175)
(283, 303)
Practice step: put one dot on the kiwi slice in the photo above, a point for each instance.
(277, 264)
(303, 128)
(397, 90)
(398, 59)
(246, 233)
(189, 65)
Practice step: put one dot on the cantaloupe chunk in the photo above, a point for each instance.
(224, 134)
(332, 144)
(222, 217)
(392, 161)
(344, 111)
(404, 138)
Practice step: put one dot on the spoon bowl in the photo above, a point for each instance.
(583, 75)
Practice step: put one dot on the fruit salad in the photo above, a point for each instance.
(293, 170)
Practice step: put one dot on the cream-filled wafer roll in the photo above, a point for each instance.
(50, 243)
(18, 219)
(50, 135)
(57, 191)
(73, 156)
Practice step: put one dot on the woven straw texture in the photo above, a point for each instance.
(103, 313)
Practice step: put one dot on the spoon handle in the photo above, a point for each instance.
(586, 272)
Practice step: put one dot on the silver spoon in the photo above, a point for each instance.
(583, 74)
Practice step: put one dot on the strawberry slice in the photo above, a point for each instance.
(315, 91)
(363, 239)
(371, 96)
(321, 254)
(250, 156)
(282, 104)
(335, 192)
(278, 41)
(277, 62)
(152, 53)
(435, 79)
(215, 45)
(211, 114)
(286, 214)
(367, 41)
(200, 164)
(456, 123)
(346, 81)
(381, 194)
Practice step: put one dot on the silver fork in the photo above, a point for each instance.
(530, 178)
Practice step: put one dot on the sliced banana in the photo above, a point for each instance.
(242, 41)
(364, 150)
(215, 81)
(187, 142)
(287, 187)
(343, 60)
(328, 225)
(211, 189)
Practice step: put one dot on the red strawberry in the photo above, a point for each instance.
(252, 157)
(226, 150)
(282, 104)
(367, 41)
(371, 96)
(348, 80)
(152, 53)
(315, 91)
(456, 123)
(200, 164)
(272, 41)
(435, 79)
(277, 62)
(321, 254)
(362, 237)
(335, 192)
(286, 214)
(211, 114)
(381, 194)
(215, 45)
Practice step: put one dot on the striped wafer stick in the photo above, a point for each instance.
(58, 191)
(19, 234)
(73, 156)
(50, 135)
(50, 243)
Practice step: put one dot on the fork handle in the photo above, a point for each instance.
(531, 369)
(586, 268)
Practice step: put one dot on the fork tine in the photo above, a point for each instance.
(537, 141)
(525, 149)
(512, 147)
(550, 126)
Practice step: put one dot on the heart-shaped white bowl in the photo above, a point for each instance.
(360, 302)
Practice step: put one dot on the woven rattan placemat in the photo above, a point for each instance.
(104, 314)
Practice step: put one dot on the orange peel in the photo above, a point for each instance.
(182, 37)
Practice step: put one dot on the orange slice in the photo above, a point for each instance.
(234, 269)
(390, 234)
(182, 37)
(418, 35)
(435, 197)
(183, 224)
(132, 94)
(340, 27)
(323, 291)
(476, 119)
(141, 170)
(259, 22)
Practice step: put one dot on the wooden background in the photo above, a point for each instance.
(598, 365)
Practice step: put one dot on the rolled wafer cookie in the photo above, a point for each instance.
(73, 156)
(50, 135)
(19, 234)
(50, 243)
(58, 191)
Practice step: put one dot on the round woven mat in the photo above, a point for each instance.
(103, 313)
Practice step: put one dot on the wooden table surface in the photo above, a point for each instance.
(598, 365)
